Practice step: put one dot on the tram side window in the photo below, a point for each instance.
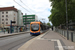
(41, 27)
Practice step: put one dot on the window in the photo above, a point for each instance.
(6, 22)
(2, 15)
(6, 12)
(34, 27)
(6, 19)
(6, 15)
(2, 12)
(2, 19)
(2, 22)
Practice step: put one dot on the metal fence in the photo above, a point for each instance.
(64, 33)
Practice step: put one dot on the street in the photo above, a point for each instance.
(14, 42)
(49, 40)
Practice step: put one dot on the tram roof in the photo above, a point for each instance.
(36, 22)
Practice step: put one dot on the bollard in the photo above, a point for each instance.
(72, 36)
(64, 33)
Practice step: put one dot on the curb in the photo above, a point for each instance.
(13, 34)
(27, 44)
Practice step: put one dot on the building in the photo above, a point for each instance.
(6, 15)
(10, 13)
(20, 18)
(27, 19)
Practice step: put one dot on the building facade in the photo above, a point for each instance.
(10, 13)
(6, 15)
(20, 18)
(27, 19)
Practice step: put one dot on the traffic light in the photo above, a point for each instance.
(13, 21)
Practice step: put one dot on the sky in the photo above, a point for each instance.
(41, 8)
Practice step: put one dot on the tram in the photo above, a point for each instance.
(37, 28)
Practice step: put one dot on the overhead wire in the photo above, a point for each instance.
(27, 6)
(22, 6)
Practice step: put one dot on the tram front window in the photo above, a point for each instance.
(34, 27)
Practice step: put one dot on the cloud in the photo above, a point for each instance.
(39, 7)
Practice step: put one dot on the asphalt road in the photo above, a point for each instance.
(14, 42)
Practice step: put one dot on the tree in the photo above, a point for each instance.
(58, 12)
(49, 24)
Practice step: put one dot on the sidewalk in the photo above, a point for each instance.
(48, 41)
(11, 34)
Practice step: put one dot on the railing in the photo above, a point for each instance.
(64, 33)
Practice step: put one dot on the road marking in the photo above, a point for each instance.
(26, 45)
(58, 41)
(59, 44)
(40, 37)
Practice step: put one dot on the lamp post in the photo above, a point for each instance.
(26, 20)
(66, 20)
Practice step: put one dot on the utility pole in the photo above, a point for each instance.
(66, 20)
(26, 21)
(11, 26)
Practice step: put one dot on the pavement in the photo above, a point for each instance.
(2, 34)
(50, 40)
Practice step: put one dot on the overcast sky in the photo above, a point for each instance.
(41, 8)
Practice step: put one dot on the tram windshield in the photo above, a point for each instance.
(34, 27)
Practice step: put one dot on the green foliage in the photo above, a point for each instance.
(58, 11)
(48, 24)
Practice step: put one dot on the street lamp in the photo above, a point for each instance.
(26, 20)
(66, 20)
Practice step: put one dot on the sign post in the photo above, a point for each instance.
(11, 25)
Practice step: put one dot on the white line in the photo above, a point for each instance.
(42, 35)
(58, 41)
(59, 44)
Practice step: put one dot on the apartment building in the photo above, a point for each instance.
(6, 15)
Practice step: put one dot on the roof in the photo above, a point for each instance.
(8, 8)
